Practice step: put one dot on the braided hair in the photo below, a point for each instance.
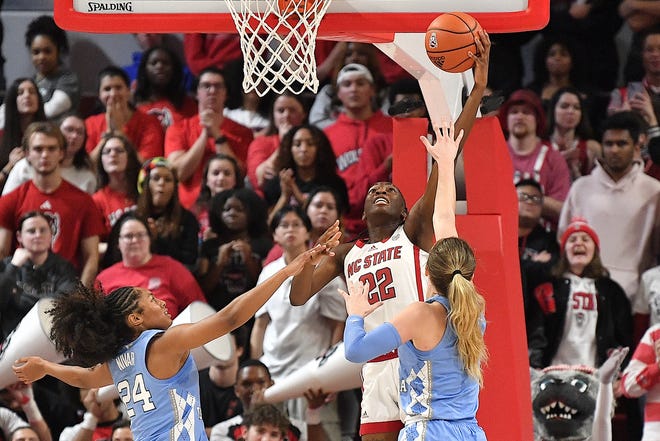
(90, 327)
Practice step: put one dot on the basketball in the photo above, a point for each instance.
(299, 6)
(448, 40)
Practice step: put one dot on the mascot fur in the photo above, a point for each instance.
(575, 403)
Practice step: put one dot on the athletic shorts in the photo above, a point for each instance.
(380, 410)
(459, 430)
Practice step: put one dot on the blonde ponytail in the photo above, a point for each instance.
(451, 266)
(467, 312)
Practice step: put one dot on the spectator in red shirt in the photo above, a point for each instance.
(78, 223)
(191, 142)
(165, 277)
(144, 131)
(356, 124)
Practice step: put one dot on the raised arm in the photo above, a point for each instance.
(179, 339)
(443, 152)
(418, 226)
(317, 273)
(602, 425)
(466, 119)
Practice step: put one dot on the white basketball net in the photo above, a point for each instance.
(278, 45)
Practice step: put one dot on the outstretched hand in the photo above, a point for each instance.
(29, 369)
(446, 146)
(481, 58)
(309, 256)
(330, 239)
(610, 368)
(358, 302)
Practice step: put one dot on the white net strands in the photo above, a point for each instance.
(278, 40)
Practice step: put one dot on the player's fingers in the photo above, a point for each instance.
(460, 136)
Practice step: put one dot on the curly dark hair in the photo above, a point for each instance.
(255, 207)
(325, 156)
(174, 91)
(45, 25)
(90, 327)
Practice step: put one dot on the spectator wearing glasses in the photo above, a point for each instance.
(165, 277)
(538, 248)
(190, 142)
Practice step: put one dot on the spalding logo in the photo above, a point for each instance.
(112, 7)
(433, 41)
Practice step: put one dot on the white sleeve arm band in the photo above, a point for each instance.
(360, 346)
(57, 104)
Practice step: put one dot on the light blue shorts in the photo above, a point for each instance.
(445, 430)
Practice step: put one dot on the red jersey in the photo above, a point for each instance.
(112, 204)
(143, 130)
(167, 278)
(260, 149)
(75, 214)
(182, 135)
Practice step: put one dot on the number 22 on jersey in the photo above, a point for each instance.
(380, 285)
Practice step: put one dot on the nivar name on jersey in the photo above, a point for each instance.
(125, 360)
(374, 259)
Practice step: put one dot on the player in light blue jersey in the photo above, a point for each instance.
(125, 338)
(440, 362)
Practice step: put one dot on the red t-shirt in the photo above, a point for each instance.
(260, 149)
(112, 204)
(204, 50)
(182, 135)
(75, 213)
(144, 131)
(348, 137)
(167, 278)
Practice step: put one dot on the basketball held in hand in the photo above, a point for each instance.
(448, 40)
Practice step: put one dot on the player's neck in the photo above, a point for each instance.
(381, 232)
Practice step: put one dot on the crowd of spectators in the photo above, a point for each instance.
(181, 184)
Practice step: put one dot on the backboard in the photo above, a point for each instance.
(363, 20)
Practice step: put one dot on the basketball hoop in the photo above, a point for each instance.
(278, 40)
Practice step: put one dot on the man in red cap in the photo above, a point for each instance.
(522, 119)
